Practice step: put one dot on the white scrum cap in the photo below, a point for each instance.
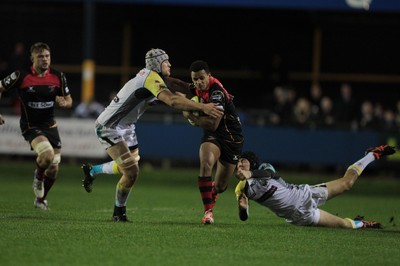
(154, 59)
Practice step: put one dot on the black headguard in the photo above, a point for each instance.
(252, 158)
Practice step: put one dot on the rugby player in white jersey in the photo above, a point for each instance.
(115, 126)
(299, 204)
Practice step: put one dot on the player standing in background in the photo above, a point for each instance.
(299, 204)
(39, 88)
(222, 139)
(115, 127)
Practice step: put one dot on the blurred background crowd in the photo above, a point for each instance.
(276, 101)
(331, 65)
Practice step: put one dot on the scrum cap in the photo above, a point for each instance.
(252, 158)
(154, 59)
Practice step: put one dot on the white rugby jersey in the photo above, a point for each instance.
(282, 198)
(298, 204)
(132, 100)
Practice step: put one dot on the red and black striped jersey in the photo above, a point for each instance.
(230, 127)
(37, 95)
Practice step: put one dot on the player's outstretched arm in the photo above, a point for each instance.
(184, 104)
(177, 85)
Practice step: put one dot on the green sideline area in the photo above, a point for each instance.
(166, 211)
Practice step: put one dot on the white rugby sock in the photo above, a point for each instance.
(360, 165)
(355, 223)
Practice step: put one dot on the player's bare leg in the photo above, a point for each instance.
(128, 165)
(209, 155)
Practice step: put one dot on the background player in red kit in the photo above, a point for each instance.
(39, 88)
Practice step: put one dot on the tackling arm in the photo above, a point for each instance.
(184, 104)
(205, 122)
(175, 84)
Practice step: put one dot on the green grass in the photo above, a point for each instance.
(166, 210)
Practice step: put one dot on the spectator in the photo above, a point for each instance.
(378, 111)
(282, 108)
(302, 113)
(325, 118)
(345, 107)
(367, 119)
(389, 121)
(315, 98)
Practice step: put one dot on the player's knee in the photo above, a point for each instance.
(131, 172)
(219, 188)
(128, 165)
(45, 159)
(347, 184)
(45, 153)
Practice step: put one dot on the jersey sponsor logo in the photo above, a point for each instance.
(217, 96)
(40, 105)
(52, 88)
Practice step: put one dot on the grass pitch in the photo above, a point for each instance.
(166, 210)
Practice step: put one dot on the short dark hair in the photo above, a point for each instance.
(40, 46)
(199, 65)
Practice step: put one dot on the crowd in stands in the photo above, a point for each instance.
(319, 110)
(284, 106)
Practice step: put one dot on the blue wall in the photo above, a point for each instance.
(276, 145)
(374, 5)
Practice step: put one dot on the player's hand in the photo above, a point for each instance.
(243, 201)
(61, 101)
(185, 114)
(2, 121)
(64, 102)
(213, 110)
